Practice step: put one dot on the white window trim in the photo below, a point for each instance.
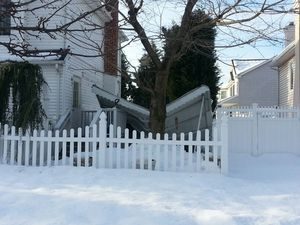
(77, 80)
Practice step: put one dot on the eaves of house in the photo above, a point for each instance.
(285, 55)
(39, 59)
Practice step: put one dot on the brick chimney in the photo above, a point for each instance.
(111, 39)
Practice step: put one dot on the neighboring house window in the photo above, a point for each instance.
(291, 75)
(76, 94)
(5, 17)
(223, 94)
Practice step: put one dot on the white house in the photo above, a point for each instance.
(286, 63)
(251, 81)
(80, 87)
(68, 98)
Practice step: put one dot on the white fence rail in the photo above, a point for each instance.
(259, 130)
(129, 151)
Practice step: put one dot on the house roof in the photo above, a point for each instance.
(285, 55)
(187, 99)
(141, 114)
(248, 66)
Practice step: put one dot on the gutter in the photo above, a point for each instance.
(285, 55)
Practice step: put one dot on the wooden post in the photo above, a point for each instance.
(224, 150)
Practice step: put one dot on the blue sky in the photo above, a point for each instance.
(157, 14)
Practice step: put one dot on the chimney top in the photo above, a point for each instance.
(289, 33)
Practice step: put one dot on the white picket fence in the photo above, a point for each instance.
(257, 130)
(123, 151)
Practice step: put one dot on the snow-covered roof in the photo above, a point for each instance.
(286, 54)
(244, 67)
(41, 57)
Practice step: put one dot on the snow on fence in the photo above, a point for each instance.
(259, 130)
(125, 150)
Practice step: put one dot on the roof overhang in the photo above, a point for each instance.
(285, 55)
(39, 59)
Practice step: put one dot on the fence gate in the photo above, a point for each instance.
(259, 130)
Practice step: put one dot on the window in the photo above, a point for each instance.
(291, 75)
(76, 94)
(223, 94)
(5, 23)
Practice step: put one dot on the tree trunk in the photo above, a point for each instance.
(158, 103)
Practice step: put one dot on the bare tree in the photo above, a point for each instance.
(23, 21)
(239, 21)
(246, 22)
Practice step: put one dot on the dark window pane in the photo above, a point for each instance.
(5, 22)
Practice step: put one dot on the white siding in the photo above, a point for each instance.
(87, 43)
(58, 94)
(285, 93)
(15, 36)
(88, 75)
(259, 86)
(88, 69)
(44, 41)
(51, 92)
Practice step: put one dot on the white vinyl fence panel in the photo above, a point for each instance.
(259, 130)
(94, 147)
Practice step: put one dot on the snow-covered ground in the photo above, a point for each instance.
(261, 190)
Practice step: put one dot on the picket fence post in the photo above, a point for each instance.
(254, 146)
(224, 148)
(102, 139)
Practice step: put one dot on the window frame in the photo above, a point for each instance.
(5, 20)
(76, 93)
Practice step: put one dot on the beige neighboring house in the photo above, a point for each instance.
(251, 81)
(287, 63)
